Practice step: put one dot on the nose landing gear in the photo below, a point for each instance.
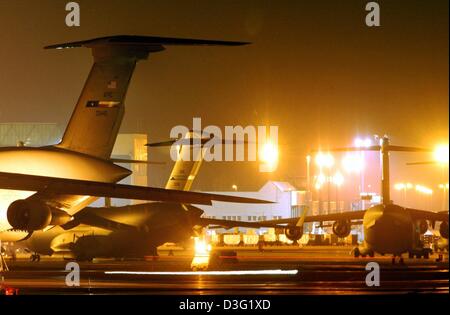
(421, 252)
(35, 257)
(363, 252)
(401, 261)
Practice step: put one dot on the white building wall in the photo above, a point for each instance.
(281, 208)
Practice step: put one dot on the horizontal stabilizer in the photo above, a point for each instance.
(127, 161)
(377, 148)
(195, 142)
(423, 163)
(408, 149)
(350, 149)
(150, 41)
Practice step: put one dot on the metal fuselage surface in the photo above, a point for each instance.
(155, 224)
(389, 229)
(54, 162)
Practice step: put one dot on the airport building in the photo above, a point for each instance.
(287, 202)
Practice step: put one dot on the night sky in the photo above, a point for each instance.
(314, 69)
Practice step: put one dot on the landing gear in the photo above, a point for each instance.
(84, 258)
(419, 253)
(357, 252)
(35, 257)
(401, 261)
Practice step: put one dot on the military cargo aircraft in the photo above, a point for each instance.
(49, 185)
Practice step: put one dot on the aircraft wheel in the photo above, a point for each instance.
(356, 252)
(38, 257)
(84, 259)
(426, 255)
(410, 255)
(372, 254)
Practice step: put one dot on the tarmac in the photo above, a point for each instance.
(310, 270)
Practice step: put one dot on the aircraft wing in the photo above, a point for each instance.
(228, 224)
(428, 215)
(348, 215)
(280, 223)
(63, 186)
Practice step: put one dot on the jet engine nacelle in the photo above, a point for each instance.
(342, 228)
(422, 226)
(293, 233)
(443, 229)
(34, 215)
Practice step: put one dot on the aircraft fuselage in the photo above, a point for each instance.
(156, 223)
(54, 162)
(389, 229)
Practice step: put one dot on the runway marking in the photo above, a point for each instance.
(206, 273)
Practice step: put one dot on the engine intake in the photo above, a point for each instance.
(342, 228)
(293, 233)
(34, 215)
(422, 226)
(443, 229)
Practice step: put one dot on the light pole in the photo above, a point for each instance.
(308, 173)
(362, 143)
(444, 188)
(308, 181)
(353, 163)
(325, 160)
(404, 187)
(338, 180)
(425, 191)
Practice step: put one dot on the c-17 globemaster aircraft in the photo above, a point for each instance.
(58, 181)
(388, 228)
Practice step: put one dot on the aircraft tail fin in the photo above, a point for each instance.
(98, 114)
(190, 154)
(185, 170)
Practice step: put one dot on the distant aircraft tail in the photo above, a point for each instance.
(184, 172)
(96, 120)
(190, 154)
